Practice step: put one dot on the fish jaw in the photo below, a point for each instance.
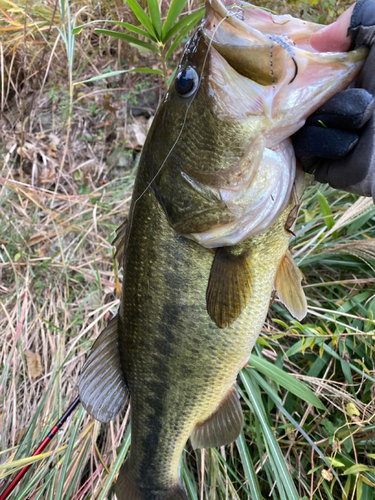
(322, 76)
(250, 19)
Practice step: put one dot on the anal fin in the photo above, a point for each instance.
(119, 242)
(288, 287)
(223, 426)
(229, 286)
(101, 384)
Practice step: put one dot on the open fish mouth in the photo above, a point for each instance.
(262, 46)
(254, 54)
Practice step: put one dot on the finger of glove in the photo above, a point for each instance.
(311, 141)
(362, 24)
(356, 171)
(349, 109)
(366, 79)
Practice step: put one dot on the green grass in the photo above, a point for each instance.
(59, 285)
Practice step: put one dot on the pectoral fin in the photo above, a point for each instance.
(288, 287)
(102, 387)
(223, 426)
(119, 242)
(229, 286)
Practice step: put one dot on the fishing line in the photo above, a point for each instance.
(271, 66)
(231, 12)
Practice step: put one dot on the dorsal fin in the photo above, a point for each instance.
(223, 426)
(288, 287)
(119, 242)
(101, 385)
(229, 286)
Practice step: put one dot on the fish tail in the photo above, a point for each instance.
(128, 488)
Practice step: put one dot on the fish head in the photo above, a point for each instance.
(246, 82)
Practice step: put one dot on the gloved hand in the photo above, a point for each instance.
(343, 154)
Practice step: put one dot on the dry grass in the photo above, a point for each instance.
(58, 290)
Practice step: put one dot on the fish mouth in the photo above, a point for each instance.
(262, 46)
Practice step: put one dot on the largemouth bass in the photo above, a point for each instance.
(207, 239)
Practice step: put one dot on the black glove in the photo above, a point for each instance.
(337, 144)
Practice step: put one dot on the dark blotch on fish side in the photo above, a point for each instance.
(151, 441)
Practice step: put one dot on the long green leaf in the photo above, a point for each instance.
(16, 465)
(261, 442)
(189, 485)
(77, 30)
(192, 18)
(358, 468)
(326, 211)
(348, 461)
(344, 366)
(47, 479)
(248, 467)
(174, 11)
(135, 29)
(79, 468)
(327, 490)
(27, 441)
(62, 12)
(129, 38)
(367, 492)
(230, 469)
(119, 72)
(276, 457)
(147, 70)
(72, 439)
(178, 39)
(142, 16)
(116, 466)
(285, 380)
(262, 383)
(353, 367)
(128, 26)
(30, 481)
(153, 8)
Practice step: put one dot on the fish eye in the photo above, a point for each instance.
(186, 82)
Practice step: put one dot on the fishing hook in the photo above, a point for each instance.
(288, 48)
